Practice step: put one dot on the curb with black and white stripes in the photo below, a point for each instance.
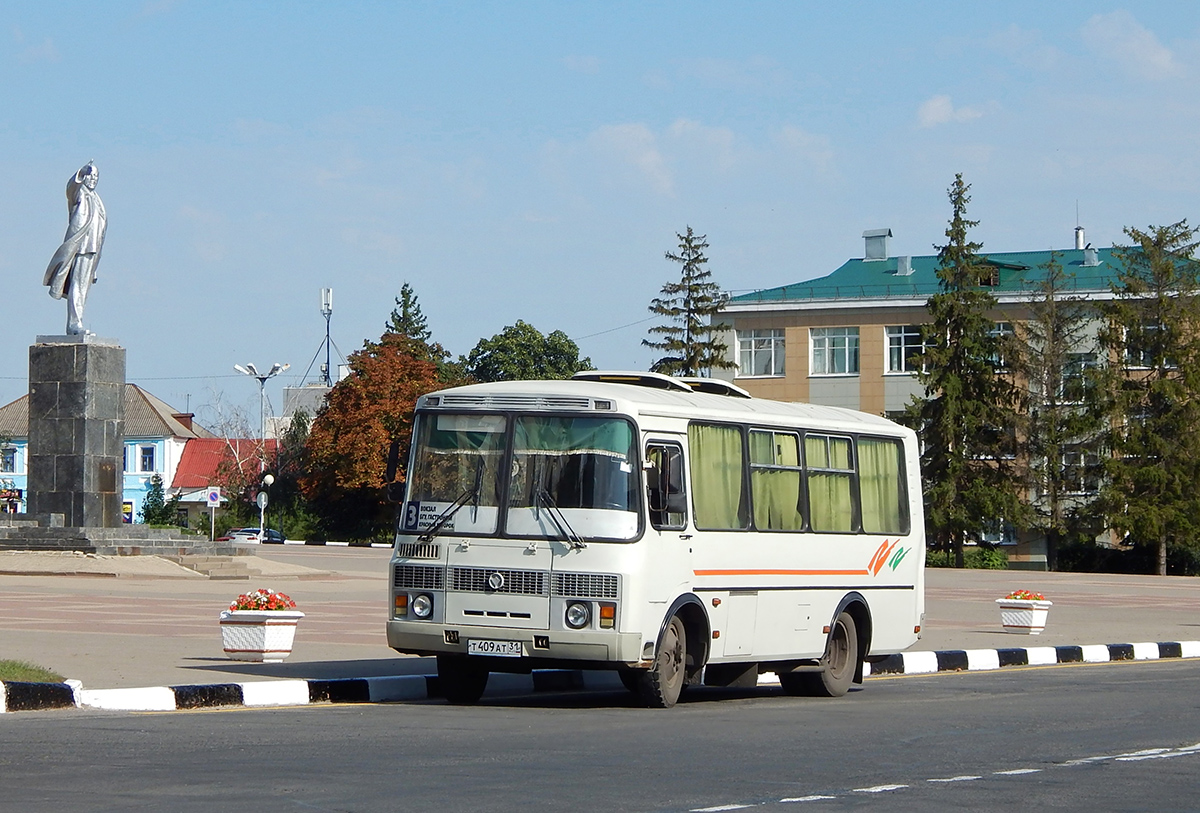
(16, 696)
(317, 543)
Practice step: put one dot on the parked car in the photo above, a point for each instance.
(250, 535)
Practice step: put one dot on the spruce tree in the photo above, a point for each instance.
(1151, 392)
(406, 318)
(691, 304)
(1058, 444)
(969, 406)
(408, 321)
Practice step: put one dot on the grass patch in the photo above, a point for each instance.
(25, 672)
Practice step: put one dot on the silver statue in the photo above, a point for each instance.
(72, 270)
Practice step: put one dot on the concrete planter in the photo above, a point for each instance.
(263, 636)
(1023, 616)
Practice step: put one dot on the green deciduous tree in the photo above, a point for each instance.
(520, 352)
(1058, 438)
(969, 408)
(689, 305)
(1151, 392)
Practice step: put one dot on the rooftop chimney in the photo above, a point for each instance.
(904, 266)
(877, 244)
(1080, 242)
(184, 418)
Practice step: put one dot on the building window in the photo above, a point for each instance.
(1144, 347)
(146, 456)
(8, 460)
(906, 349)
(1002, 333)
(834, 350)
(1081, 470)
(1074, 386)
(760, 352)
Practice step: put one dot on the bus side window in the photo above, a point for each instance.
(666, 494)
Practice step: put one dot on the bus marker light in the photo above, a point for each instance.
(917, 628)
(825, 629)
(608, 615)
(716, 634)
(402, 604)
(716, 602)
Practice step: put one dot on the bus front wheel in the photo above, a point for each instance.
(461, 680)
(660, 685)
(840, 661)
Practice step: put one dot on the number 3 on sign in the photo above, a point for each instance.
(412, 513)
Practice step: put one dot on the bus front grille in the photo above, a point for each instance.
(480, 580)
(419, 577)
(585, 585)
(419, 550)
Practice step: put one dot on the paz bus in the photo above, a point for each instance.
(675, 530)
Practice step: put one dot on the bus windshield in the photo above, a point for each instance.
(569, 477)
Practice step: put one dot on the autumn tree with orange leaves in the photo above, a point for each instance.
(351, 436)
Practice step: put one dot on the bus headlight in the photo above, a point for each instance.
(578, 615)
(422, 606)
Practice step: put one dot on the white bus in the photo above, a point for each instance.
(675, 530)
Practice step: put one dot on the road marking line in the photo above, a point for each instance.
(879, 789)
(955, 779)
(718, 808)
(1017, 772)
(815, 798)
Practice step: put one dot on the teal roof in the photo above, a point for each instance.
(877, 279)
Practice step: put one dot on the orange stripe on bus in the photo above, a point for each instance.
(782, 572)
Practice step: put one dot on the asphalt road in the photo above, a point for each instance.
(1101, 737)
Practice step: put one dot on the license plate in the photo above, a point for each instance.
(500, 649)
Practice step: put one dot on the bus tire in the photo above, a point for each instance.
(660, 685)
(840, 661)
(631, 679)
(461, 680)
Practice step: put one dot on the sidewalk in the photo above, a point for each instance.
(124, 622)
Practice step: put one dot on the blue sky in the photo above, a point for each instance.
(535, 160)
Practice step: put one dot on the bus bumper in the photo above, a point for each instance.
(586, 645)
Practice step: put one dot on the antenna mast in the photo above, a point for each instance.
(327, 311)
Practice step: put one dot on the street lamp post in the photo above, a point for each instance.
(262, 507)
(253, 372)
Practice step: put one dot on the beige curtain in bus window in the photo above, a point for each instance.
(775, 491)
(716, 467)
(830, 506)
(879, 486)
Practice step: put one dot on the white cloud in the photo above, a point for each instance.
(941, 110)
(582, 64)
(1026, 48)
(814, 149)
(635, 146)
(1121, 38)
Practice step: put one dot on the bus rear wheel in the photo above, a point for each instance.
(839, 661)
(660, 685)
(461, 680)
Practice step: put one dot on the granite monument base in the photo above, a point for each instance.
(76, 429)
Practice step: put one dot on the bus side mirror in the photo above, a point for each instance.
(395, 492)
(393, 462)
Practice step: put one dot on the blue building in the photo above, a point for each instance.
(155, 436)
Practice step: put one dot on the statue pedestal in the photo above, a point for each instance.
(77, 429)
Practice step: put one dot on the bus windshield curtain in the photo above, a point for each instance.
(589, 435)
(776, 490)
(879, 485)
(716, 468)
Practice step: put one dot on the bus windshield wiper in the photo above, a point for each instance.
(472, 495)
(573, 540)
